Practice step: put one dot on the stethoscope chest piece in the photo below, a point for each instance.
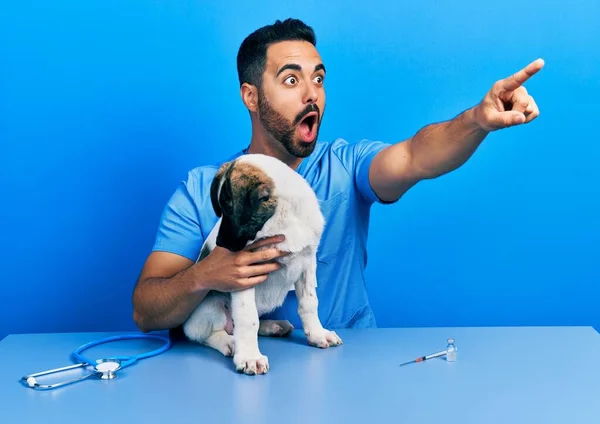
(107, 368)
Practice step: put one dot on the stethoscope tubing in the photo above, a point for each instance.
(125, 360)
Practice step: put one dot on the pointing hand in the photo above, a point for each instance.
(508, 103)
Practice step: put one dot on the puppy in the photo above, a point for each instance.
(258, 196)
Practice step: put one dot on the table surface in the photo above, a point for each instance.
(502, 375)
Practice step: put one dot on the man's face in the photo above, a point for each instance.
(291, 102)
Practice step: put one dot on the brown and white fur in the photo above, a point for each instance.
(258, 196)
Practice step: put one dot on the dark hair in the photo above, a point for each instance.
(252, 54)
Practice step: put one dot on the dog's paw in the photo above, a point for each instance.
(251, 364)
(222, 342)
(227, 348)
(323, 338)
(274, 328)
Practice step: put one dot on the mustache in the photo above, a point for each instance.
(308, 109)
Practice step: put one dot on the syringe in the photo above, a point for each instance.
(426, 357)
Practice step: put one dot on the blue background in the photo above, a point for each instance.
(105, 106)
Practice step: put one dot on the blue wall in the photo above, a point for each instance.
(105, 106)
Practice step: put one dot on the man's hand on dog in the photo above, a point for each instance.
(227, 271)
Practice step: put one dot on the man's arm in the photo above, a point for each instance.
(171, 286)
(167, 292)
(443, 147)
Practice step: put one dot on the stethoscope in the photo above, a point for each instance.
(105, 368)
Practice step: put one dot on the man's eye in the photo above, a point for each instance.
(291, 80)
(318, 79)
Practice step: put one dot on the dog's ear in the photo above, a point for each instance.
(223, 170)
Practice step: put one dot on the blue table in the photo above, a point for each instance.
(502, 375)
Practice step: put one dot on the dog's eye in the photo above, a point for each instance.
(263, 194)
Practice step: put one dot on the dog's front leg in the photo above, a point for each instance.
(247, 357)
(306, 293)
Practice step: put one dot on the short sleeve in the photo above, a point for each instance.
(179, 229)
(357, 158)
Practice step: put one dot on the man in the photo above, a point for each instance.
(281, 79)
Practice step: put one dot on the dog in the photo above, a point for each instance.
(257, 196)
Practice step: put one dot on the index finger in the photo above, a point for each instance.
(518, 78)
(264, 255)
(264, 242)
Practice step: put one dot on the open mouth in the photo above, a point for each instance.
(308, 127)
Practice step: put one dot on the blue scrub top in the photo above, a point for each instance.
(338, 173)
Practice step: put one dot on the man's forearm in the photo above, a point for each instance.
(164, 303)
(440, 148)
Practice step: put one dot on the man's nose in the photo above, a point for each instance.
(311, 94)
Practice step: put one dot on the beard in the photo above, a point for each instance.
(284, 131)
